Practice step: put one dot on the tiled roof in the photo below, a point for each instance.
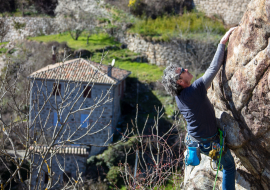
(62, 150)
(80, 70)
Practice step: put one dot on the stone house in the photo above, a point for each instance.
(74, 105)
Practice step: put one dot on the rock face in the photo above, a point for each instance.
(241, 94)
(241, 97)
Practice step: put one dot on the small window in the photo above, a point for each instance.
(46, 179)
(55, 119)
(66, 176)
(56, 89)
(87, 91)
(84, 120)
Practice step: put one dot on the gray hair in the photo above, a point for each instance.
(169, 80)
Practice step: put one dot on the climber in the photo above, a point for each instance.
(194, 105)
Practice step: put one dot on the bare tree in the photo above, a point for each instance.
(78, 17)
(4, 28)
(44, 123)
(157, 160)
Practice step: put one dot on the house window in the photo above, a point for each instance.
(55, 119)
(56, 89)
(87, 91)
(66, 176)
(84, 120)
(46, 179)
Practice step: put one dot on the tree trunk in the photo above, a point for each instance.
(88, 39)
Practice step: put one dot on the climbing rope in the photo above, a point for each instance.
(221, 148)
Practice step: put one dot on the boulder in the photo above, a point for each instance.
(240, 94)
(203, 176)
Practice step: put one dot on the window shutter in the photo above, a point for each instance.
(83, 122)
(55, 119)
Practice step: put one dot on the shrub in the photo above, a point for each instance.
(132, 3)
(173, 26)
(114, 175)
(153, 8)
(109, 160)
(18, 25)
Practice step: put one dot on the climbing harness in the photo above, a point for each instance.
(214, 154)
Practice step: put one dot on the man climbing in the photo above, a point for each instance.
(197, 110)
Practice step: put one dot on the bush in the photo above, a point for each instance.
(173, 26)
(18, 25)
(153, 8)
(99, 165)
(114, 175)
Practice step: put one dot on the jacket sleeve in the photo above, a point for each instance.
(216, 63)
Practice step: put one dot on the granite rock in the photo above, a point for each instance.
(240, 94)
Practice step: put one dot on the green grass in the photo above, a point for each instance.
(192, 25)
(95, 41)
(3, 43)
(123, 60)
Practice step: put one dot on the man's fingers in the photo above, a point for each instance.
(232, 29)
(227, 35)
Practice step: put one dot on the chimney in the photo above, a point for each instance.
(53, 54)
(109, 70)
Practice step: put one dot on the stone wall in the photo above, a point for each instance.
(231, 11)
(73, 164)
(183, 52)
(34, 26)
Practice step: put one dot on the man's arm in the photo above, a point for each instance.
(216, 63)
